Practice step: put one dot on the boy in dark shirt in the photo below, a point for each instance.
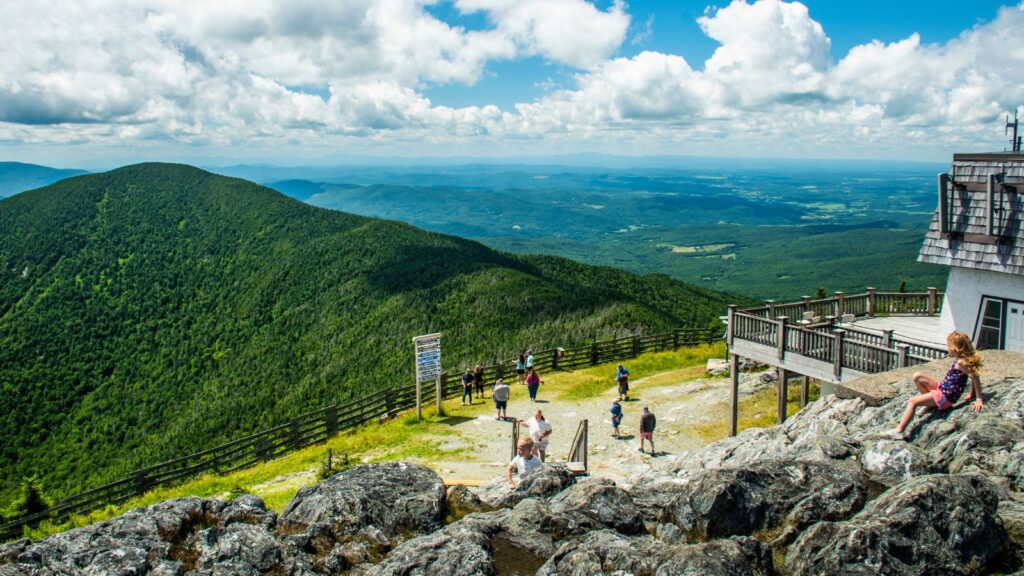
(647, 424)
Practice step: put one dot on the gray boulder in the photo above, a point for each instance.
(457, 550)
(718, 503)
(602, 552)
(938, 524)
(731, 557)
(891, 462)
(378, 503)
(549, 480)
(460, 501)
(603, 501)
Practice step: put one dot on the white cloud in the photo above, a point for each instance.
(231, 72)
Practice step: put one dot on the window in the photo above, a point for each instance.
(990, 327)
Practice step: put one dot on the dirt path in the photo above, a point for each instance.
(679, 406)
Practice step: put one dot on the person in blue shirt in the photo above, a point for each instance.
(622, 377)
(616, 417)
(467, 387)
(521, 369)
(529, 360)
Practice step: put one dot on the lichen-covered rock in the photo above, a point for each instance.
(240, 549)
(940, 524)
(730, 557)
(396, 498)
(890, 462)
(549, 480)
(602, 552)
(460, 501)
(458, 550)
(718, 503)
(247, 509)
(604, 502)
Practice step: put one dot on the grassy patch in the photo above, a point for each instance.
(759, 410)
(666, 366)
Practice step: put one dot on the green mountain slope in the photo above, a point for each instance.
(155, 310)
(17, 177)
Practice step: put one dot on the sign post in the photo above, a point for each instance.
(428, 366)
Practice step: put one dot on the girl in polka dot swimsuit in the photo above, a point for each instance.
(942, 395)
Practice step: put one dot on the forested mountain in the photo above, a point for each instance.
(17, 177)
(156, 310)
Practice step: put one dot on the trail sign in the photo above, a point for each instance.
(428, 367)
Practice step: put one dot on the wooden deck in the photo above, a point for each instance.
(923, 329)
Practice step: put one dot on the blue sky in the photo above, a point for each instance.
(310, 81)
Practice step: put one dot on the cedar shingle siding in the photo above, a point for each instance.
(969, 210)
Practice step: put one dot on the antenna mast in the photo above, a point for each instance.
(1015, 141)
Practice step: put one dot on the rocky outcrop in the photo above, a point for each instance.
(822, 494)
(942, 524)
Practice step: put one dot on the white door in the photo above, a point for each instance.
(1014, 327)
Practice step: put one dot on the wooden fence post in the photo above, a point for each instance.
(807, 303)
(771, 308)
(593, 354)
(554, 359)
(675, 339)
(805, 390)
(887, 338)
(442, 379)
(141, 483)
(840, 304)
(782, 337)
(871, 303)
(901, 355)
(731, 325)
(636, 345)
(294, 431)
(734, 371)
(837, 362)
(931, 301)
(783, 393)
(331, 419)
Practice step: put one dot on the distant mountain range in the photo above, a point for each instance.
(154, 310)
(16, 177)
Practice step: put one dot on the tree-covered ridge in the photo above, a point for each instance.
(155, 310)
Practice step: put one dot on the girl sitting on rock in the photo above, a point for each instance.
(942, 395)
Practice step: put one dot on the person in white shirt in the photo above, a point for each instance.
(525, 462)
(500, 395)
(540, 432)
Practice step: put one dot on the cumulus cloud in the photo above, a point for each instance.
(223, 73)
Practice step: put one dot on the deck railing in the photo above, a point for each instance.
(821, 329)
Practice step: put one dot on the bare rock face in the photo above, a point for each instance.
(604, 502)
(549, 480)
(719, 503)
(460, 501)
(940, 524)
(890, 462)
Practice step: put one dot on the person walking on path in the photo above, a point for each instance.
(533, 382)
(525, 462)
(467, 387)
(943, 395)
(622, 377)
(521, 369)
(478, 381)
(529, 360)
(647, 423)
(540, 432)
(616, 417)
(500, 395)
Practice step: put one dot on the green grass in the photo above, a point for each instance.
(592, 382)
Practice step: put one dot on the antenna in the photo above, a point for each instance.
(1015, 141)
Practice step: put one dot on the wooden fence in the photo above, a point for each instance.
(319, 425)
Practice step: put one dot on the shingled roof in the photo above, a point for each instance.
(967, 241)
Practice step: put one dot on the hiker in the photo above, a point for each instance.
(616, 417)
(467, 387)
(525, 462)
(622, 377)
(533, 382)
(521, 369)
(942, 395)
(647, 424)
(478, 381)
(500, 395)
(529, 360)
(540, 432)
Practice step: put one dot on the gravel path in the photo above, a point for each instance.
(678, 406)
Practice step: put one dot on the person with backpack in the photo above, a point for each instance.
(622, 377)
(616, 417)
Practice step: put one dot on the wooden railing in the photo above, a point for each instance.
(844, 347)
(871, 303)
(319, 425)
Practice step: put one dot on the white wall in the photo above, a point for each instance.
(964, 292)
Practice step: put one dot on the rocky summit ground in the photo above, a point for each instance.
(825, 493)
